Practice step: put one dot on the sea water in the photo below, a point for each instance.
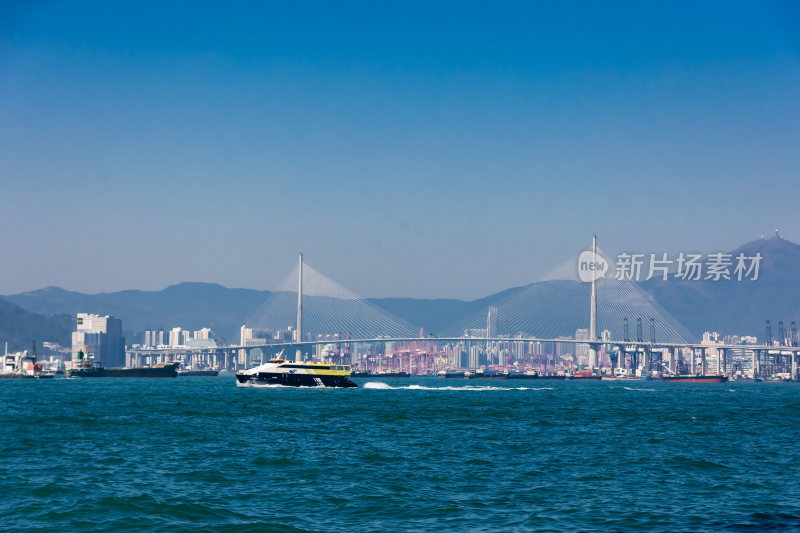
(399, 454)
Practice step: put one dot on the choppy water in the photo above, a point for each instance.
(200, 454)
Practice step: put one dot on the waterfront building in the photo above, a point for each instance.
(102, 337)
(175, 337)
(582, 350)
(474, 357)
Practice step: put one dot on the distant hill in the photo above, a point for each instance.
(188, 305)
(20, 327)
(728, 307)
(194, 305)
(438, 314)
(734, 307)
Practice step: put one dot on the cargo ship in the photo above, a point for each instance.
(694, 379)
(288, 374)
(445, 374)
(379, 374)
(96, 370)
(482, 374)
(208, 372)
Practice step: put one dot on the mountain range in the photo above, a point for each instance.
(729, 307)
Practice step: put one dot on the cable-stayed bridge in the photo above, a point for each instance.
(532, 323)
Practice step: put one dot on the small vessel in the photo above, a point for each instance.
(289, 374)
(585, 374)
(87, 368)
(23, 365)
(690, 378)
(535, 375)
(451, 374)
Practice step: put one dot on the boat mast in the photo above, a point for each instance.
(298, 356)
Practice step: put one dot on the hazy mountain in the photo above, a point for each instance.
(436, 315)
(20, 327)
(188, 305)
(739, 307)
(196, 305)
(725, 306)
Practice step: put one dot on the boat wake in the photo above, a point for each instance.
(251, 385)
(379, 385)
(636, 388)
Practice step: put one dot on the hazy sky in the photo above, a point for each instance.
(426, 149)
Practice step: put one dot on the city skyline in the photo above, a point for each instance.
(445, 151)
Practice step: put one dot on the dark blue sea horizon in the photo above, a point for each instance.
(413, 454)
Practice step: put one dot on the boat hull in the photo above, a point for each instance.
(11, 375)
(536, 376)
(169, 370)
(199, 373)
(287, 379)
(694, 379)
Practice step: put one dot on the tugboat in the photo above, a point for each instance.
(282, 372)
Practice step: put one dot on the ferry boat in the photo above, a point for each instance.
(289, 374)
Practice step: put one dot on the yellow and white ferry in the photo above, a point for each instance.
(289, 374)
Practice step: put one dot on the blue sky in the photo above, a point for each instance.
(447, 150)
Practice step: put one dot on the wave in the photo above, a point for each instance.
(636, 388)
(379, 385)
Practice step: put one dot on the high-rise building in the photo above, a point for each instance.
(474, 357)
(158, 338)
(203, 334)
(148, 338)
(102, 337)
(582, 350)
(175, 337)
